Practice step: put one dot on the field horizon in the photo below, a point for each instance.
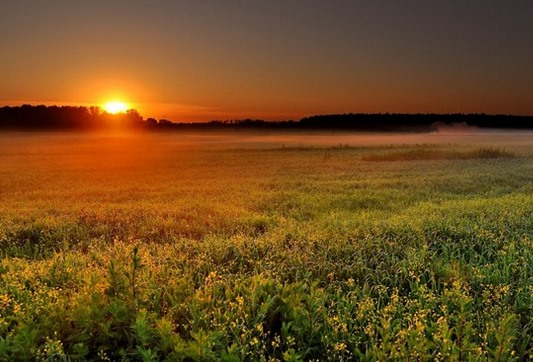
(266, 181)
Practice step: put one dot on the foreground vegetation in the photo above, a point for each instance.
(148, 248)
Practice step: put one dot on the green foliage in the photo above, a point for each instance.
(156, 253)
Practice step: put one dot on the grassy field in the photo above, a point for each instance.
(266, 247)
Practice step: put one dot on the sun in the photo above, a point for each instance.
(115, 107)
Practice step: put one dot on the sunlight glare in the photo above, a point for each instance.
(115, 107)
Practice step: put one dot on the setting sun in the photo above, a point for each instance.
(115, 107)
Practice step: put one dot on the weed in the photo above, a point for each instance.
(430, 153)
(298, 253)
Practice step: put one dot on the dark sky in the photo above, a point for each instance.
(199, 60)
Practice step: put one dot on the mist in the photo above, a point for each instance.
(160, 143)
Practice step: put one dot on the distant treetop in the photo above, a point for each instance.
(28, 117)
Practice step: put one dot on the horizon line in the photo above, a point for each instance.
(72, 104)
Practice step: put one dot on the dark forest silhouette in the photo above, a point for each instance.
(34, 118)
(57, 118)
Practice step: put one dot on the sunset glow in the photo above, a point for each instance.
(301, 180)
(115, 107)
(196, 61)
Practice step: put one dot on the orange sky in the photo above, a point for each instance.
(197, 61)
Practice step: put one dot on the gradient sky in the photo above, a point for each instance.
(274, 59)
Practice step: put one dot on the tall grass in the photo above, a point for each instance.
(427, 153)
(139, 250)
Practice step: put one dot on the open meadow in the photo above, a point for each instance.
(274, 247)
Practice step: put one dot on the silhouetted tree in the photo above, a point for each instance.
(27, 117)
(150, 123)
(40, 117)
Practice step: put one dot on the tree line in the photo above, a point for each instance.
(28, 117)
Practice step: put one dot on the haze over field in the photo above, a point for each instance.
(519, 141)
(384, 216)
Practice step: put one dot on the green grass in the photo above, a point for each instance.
(151, 248)
(433, 153)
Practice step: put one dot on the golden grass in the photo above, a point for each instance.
(160, 247)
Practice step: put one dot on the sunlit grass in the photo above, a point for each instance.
(146, 249)
(436, 153)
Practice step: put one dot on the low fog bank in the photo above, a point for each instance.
(228, 139)
(464, 129)
(456, 136)
(134, 154)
